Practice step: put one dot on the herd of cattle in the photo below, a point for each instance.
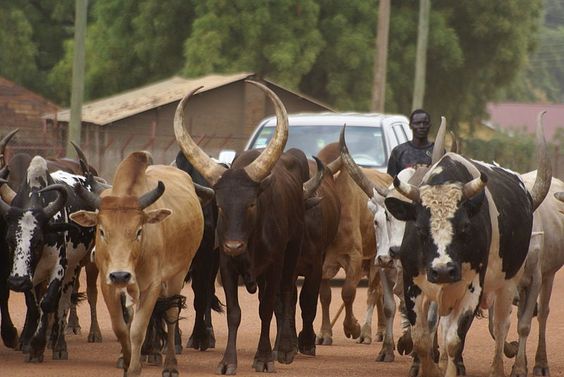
(449, 240)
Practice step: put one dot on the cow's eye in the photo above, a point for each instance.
(102, 234)
(139, 232)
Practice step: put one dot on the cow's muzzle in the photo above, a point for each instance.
(234, 248)
(384, 261)
(120, 277)
(448, 273)
(19, 283)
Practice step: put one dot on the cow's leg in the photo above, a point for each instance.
(502, 320)
(31, 321)
(73, 324)
(170, 367)
(229, 278)
(371, 298)
(94, 335)
(199, 284)
(527, 302)
(387, 278)
(348, 293)
(325, 336)
(308, 305)
(288, 346)
(7, 329)
(119, 315)
(418, 307)
(541, 360)
(39, 339)
(138, 329)
(264, 360)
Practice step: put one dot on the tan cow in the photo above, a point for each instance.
(353, 249)
(146, 237)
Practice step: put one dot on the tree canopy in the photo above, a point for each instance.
(478, 50)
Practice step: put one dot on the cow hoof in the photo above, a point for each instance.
(352, 331)
(155, 359)
(60, 355)
(29, 358)
(227, 369)
(326, 340)
(170, 372)
(307, 350)
(95, 336)
(518, 371)
(541, 371)
(286, 357)
(178, 349)
(264, 366)
(510, 349)
(364, 339)
(385, 355)
(76, 330)
(413, 371)
(10, 337)
(379, 336)
(405, 344)
(460, 369)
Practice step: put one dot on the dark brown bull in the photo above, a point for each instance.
(323, 210)
(260, 231)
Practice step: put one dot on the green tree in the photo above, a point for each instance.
(277, 39)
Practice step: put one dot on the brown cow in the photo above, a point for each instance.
(260, 231)
(146, 238)
(323, 211)
(353, 249)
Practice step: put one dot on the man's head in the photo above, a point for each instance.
(420, 123)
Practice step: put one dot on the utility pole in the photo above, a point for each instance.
(421, 54)
(77, 92)
(380, 58)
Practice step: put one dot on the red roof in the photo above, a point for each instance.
(522, 117)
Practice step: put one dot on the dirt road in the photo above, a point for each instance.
(343, 358)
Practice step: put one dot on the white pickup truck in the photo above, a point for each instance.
(370, 137)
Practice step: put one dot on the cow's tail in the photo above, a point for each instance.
(77, 298)
(158, 317)
(217, 305)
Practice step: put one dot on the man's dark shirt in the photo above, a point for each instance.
(408, 155)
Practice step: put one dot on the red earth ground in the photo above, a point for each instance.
(344, 358)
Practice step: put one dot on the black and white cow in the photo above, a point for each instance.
(464, 248)
(46, 252)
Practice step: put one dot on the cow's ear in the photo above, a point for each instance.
(474, 204)
(400, 209)
(85, 218)
(157, 215)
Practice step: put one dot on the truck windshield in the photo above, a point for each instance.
(365, 144)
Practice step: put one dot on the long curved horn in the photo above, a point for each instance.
(470, 189)
(57, 205)
(3, 144)
(91, 199)
(312, 184)
(6, 192)
(439, 147)
(544, 169)
(355, 172)
(206, 166)
(263, 164)
(150, 197)
(81, 157)
(335, 165)
(408, 190)
(454, 145)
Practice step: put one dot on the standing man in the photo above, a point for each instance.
(418, 150)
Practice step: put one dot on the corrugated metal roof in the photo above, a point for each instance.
(120, 106)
